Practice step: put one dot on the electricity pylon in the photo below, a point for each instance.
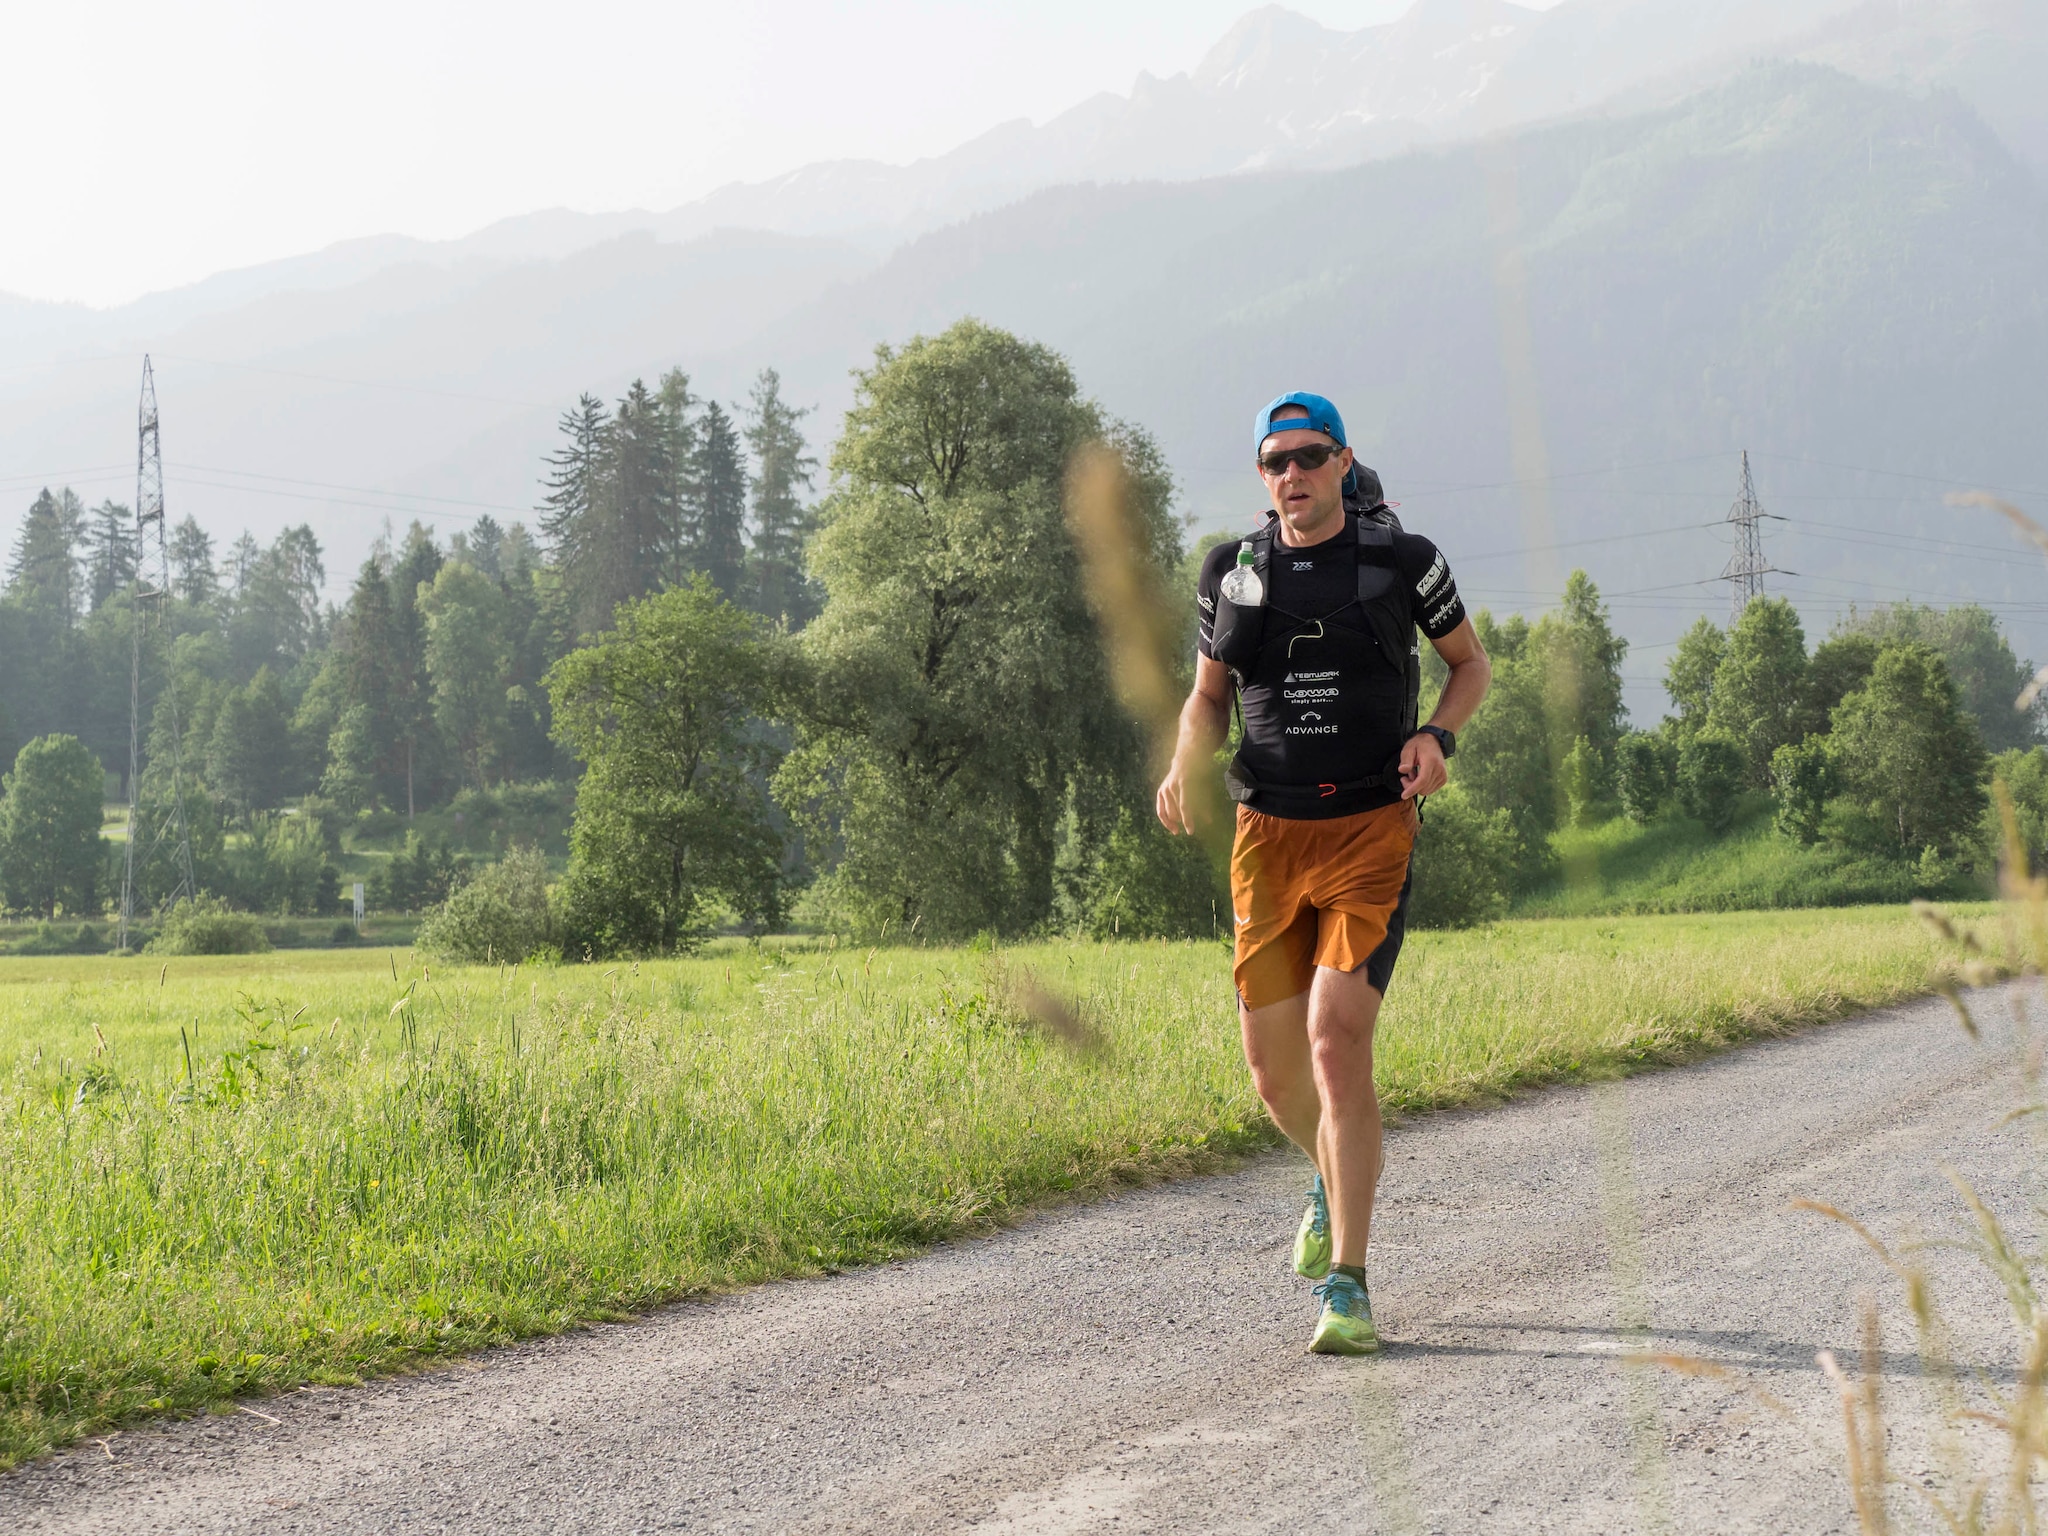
(152, 593)
(1747, 567)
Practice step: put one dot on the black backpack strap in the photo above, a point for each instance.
(1390, 608)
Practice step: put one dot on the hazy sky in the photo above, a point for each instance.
(152, 143)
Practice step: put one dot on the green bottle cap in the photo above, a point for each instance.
(1245, 554)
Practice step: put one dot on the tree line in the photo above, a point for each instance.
(888, 712)
(426, 681)
(1877, 748)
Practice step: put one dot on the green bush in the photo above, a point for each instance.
(1586, 784)
(500, 917)
(284, 868)
(205, 925)
(1462, 860)
(416, 878)
(1145, 884)
(2024, 773)
(1804, 779)
(1646, 765)
(58, 939)
(1711, 774)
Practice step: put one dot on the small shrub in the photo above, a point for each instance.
(1146, 884)
(1804, 780)
(341, 935)
(1645, 766)
(204, 925)
(500, 917)
(2023, 772)
(1585, 784)
(1462, 859)
(1711, 775)
(49, 938)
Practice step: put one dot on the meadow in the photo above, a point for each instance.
(224, 1177)
(1675, 864)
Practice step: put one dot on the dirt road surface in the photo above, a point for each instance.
(1137, 1364)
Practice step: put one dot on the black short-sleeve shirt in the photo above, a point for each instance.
(1323, 706)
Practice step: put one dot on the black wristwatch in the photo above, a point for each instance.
(1448, 740)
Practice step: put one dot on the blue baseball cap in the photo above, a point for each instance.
(1322, 417)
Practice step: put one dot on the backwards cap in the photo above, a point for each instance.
(1322, 417)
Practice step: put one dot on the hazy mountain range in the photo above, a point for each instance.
(1604, 232)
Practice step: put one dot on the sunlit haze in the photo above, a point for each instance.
(154, 144)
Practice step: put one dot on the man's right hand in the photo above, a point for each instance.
(1204, 720)
(1172, 801)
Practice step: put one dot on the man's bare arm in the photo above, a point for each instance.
(1204, 722)
(1422, 760)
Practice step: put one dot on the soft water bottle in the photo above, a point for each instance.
(1241, 584)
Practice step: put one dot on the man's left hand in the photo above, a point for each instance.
(1422, 766)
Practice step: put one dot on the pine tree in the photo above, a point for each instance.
(367, 655)
(676, 403)
(572, 509)
(193, 577)
(418, 563)
(481, 547)
(43, 571)
(274, 618)
(642, 519)
(111, 568)
(43, 649)
(776, 585)
(719, 521)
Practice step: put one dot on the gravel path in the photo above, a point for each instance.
(1138, 1364)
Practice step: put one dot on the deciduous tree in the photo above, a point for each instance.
(672, 815)
(50, 848)
(960, 690)
(1909, 755)
(776, 583)
(1758, 689)
(468, 655)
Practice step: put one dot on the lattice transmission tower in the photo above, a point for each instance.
(150, 597)
(1747, 567)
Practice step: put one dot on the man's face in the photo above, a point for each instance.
(1309, 501)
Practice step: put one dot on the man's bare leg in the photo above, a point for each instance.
(1276, 1048)
(1343, 1011)
(1311, 1062)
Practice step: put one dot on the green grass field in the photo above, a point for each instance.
(222, 1177)
(1676, 865)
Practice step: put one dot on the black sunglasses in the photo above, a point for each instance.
(1314, 456)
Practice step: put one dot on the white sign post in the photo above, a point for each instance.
(359, 906)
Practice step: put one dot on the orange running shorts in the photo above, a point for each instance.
(1310, 893)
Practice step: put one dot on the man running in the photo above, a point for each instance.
(1312, 622)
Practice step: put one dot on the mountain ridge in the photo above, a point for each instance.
(1277, 89)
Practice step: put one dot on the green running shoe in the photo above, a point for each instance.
(1312, 1242)
(1346, 1326)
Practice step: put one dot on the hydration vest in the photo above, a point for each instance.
(1238, 638)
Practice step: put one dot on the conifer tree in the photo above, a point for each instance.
(642, 521)
(718, 543)
(482, 547)
(776, 585)
(43, 570)
(571, 509)
(39, 618)
(676, 403)
(413, 736)
(111, 540)
(193, 577)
